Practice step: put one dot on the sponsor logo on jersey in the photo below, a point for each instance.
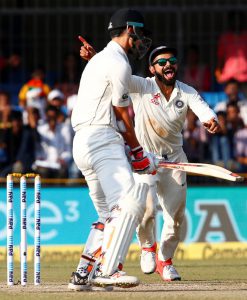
(155, 99)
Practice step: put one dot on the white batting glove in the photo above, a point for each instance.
(153, 164)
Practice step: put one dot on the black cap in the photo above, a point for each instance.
(161, 50)
(123, 16)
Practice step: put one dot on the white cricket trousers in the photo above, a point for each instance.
(99, 153)
(170, 187)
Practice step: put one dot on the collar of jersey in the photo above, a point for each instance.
(116, 47)
(175, 93)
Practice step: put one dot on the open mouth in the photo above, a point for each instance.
(169, 73)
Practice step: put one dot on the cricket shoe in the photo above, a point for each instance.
(148, 259)
(79, 282)
(166, 270)
(118, 279)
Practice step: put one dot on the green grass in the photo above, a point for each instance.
(218, 279)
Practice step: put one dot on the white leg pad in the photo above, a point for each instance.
(132, 211)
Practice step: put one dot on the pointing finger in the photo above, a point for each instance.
(84, 42)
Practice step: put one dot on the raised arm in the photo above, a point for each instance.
(87, 51)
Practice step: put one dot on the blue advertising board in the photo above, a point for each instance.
(66, 215)
(213, 214)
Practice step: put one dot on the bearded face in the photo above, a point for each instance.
(165, 68)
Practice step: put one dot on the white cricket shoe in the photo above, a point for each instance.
(170, 273)
(167, 270)
(119, 279)
(148, 259)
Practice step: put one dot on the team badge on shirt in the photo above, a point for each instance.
(125, 97)
(179, 104)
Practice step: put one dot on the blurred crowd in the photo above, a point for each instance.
(228, 148)
(36, 134)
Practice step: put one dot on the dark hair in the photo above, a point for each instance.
(6, 94)
(34, 110)
(221, 113)
(231, 104)
(38, 72)
(116, 32)
(232, 81)
(16, 115)
(161, 50)
(52, 108)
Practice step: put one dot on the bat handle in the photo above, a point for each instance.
(157, 161)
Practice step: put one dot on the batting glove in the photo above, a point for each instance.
(142, 162)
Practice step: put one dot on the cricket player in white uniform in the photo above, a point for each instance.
(160, 105)
(99, 114)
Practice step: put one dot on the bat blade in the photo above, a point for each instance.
(202, 169)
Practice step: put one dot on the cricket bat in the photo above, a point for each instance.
(201, 169)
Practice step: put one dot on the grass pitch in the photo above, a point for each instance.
(215, 279)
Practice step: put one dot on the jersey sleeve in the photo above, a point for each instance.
(137, 84)
(119, 77)
(137, 87)
(200, 107)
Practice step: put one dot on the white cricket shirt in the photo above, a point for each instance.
(104, 84)
(159, 122)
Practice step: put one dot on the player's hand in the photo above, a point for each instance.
(212, 126)
(86, 51)
(142, 162)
